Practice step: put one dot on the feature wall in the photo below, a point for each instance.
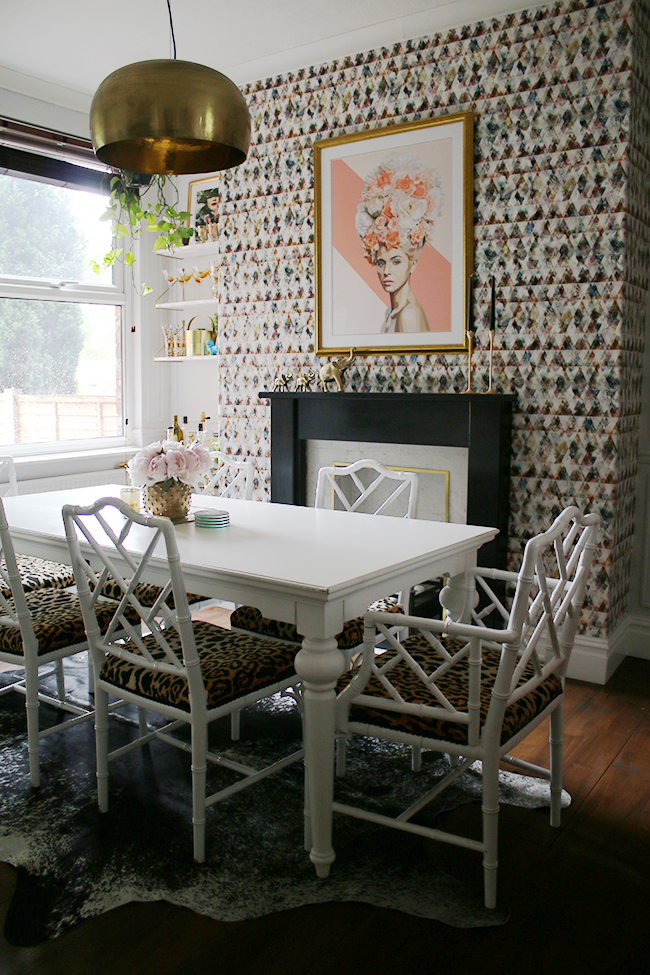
(560, 96)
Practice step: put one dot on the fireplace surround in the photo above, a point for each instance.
(479, 422)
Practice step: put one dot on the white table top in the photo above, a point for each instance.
(282, 558)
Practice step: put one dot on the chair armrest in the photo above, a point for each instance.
(443, 627)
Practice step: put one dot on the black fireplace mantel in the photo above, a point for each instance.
(480, 422)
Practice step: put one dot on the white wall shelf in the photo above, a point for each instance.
(208, 249)
(196, 303)
(184, 358)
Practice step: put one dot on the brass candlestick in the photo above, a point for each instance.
(469, 363)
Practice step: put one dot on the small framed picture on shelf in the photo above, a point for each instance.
(203, 206)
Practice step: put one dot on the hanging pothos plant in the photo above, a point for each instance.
(132, 217)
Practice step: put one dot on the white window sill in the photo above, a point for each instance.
(48, 465)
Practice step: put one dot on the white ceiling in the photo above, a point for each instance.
(60, 50)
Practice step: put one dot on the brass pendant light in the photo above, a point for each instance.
(169, 117)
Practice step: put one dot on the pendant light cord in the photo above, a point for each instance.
(171, 25)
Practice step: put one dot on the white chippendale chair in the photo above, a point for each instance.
(190, 672)
(37, 628)
(472, 691)
(365, 486)
(229, 477)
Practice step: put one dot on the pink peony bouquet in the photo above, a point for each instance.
(167, 461)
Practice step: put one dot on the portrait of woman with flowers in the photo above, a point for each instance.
(394, 236)
(400, 204)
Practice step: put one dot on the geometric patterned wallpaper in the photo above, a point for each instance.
(561, 104)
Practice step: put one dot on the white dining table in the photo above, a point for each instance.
(312, 567)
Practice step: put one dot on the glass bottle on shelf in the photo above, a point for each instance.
(187, 435)
(178, 433)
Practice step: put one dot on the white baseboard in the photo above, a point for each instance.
(594, 659)
(638, 637)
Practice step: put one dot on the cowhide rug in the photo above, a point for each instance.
(74, 863)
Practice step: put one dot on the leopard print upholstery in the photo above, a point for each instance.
(146, 593)
(233, 665)
(455, 686)
(250, 619)
(57, 621)
(388, 605)
(38, 573)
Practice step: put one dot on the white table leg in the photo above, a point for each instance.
(459, 597)
(319, 663)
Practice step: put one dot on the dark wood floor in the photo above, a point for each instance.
(580, 895)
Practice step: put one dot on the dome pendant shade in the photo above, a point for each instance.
(169, 117)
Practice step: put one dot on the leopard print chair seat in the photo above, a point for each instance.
(38, 573)
(233, 666)
(251, 620)
(455, 686)
(146, 593)
(57, 622)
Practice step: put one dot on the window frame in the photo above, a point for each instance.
(85, 174)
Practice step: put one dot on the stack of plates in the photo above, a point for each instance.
(211, 518)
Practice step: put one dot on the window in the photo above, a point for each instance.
(61, 326)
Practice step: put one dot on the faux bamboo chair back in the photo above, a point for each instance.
(367, 486)
(474, 691)
(229, 478)
(8, 479)
(107, 528)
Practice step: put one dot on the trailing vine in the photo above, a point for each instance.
(131, 217)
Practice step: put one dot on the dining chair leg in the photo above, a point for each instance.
(101, 747)
(416, 758)
(91, 674)
(556, 741)
(142, 722)
(60, 679)
(490, 809)
(199, 748)
(31, 713)
(235, 725)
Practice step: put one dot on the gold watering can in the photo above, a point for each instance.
(195, 338)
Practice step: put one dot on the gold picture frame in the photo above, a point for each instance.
(394, 235)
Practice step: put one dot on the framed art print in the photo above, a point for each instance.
(394, 237)
(203, 203)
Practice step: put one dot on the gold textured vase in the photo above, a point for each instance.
(173, 503)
